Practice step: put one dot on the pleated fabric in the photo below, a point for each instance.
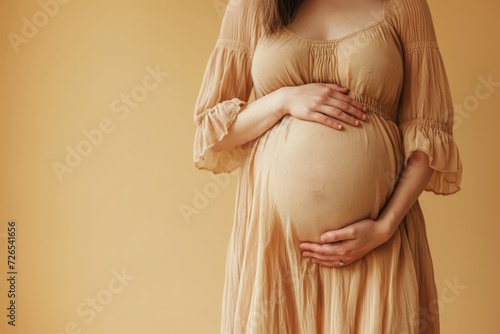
(300, 179)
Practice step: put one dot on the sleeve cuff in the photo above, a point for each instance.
(436, 140)
(212, 126)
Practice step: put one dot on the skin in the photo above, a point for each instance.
(324, 103)
(333, 19)
(354, 241)
(329, 104)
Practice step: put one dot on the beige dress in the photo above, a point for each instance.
(301, 178)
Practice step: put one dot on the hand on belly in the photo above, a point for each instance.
(345, 246)
(321, 179)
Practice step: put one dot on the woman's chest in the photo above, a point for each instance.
(368, 62)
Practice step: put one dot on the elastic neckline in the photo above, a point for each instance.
(352, 34)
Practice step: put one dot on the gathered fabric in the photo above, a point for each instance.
(300, 179)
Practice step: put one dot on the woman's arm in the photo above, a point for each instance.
(323, 103)
(356, 240)
(410, 185)
(425, 119)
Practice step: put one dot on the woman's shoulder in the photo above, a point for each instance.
(405, 9)
(243, 9)
(241, 23)
(411, 19)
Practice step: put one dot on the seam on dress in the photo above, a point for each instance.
(234, 45)
(374, 106)
(420, 45)
(430, 123)
(215, 109)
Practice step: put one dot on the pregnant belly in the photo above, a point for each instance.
(321, 179)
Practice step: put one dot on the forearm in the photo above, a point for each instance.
(255, 119)
(410, 185)
(324, 103)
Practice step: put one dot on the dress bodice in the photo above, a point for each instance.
(368, 62)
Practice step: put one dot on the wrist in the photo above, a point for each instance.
(280, 96)
(388, 224)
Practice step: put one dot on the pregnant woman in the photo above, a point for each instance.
(352, 120)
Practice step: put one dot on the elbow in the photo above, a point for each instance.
(224, 143)
(419, 158)
(217, 147)
(420, 161)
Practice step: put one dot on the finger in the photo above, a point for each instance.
(346, 98)
(330, 264)
(324, 119)
(348, 104)
(307, 245)
(346, 233)
(342, 95)
(322, 249)
(310, 246)
(330, 258)
(336, 87)
(315, 248)
(338, 114)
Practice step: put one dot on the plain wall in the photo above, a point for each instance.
(117, 212)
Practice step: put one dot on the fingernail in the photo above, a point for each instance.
(364, 117)
(365, 108)
(356, 123)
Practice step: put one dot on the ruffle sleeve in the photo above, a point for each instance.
(225, 89)
(426, 113)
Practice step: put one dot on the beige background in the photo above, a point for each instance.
(119, 207)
